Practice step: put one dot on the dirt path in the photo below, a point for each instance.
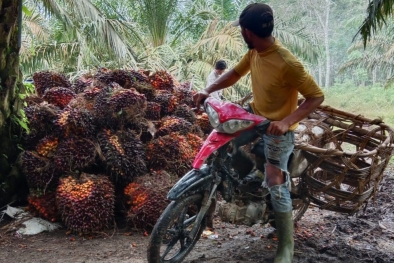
(321, 236)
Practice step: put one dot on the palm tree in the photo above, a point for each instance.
(376, 58)
(378, 11)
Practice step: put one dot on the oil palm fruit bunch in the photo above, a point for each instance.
(44, 80)
(86, 203)
(195, 143)
(124, 154)
(82, 83)
(171, 152)
(33, 99)
(203, 122)
(152, 111)
(162, 80)
(39, 171)
(185, 112)
(184, 94)
(145, 88)
(74, 154)
(172, 124)
(146, 198)
(43, 204)
(196, 129)
(59, 96)
(76, 121)
(168, 102)
(119, 106)
(41, 117)
(46, 147)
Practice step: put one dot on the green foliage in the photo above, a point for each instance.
(371, 101)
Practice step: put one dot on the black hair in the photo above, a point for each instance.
(220, 64)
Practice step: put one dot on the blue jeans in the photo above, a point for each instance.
(277, 151)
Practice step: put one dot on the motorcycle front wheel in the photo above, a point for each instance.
(170, 241)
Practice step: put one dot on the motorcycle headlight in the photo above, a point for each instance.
(213, 116)
(232, 126)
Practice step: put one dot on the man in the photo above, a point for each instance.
(220, 67)
(277, 78)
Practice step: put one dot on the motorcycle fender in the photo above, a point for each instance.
(214, 141)
(192, 180)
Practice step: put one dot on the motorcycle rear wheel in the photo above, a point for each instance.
(169, 241)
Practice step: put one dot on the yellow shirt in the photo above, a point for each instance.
(277, 77)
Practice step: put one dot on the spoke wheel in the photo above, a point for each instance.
(170, 241)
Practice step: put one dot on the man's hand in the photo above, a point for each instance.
(199, 97)
(278, 128)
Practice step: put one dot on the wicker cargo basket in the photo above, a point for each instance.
(346, 159)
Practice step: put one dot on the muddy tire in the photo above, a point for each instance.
(169, 241)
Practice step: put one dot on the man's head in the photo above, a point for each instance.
(220, 66)
(258, 19)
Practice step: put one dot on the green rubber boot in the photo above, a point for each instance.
(285, 230)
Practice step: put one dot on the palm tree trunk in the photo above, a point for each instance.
(9, 77)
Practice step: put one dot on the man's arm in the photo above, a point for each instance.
(226, 80)
(280, 127)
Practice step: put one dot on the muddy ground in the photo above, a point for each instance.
(321, 236)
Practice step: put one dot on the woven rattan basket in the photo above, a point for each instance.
(346, 162)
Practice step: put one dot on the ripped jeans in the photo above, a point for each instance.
(276, 150)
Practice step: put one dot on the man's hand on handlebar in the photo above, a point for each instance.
(199, 97)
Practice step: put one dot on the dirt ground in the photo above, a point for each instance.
(321, 236)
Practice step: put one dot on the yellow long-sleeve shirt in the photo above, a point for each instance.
(277, 77)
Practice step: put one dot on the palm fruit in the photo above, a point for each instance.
(184, 94)
(86, 204)
(145, 88)
(47, 146)
(185, 112)
(91, 92)
(74, 154)
(196, 130)
(76, 121)
(195, 143)
(152, 111)
(33, 100)
(170, 152)
(124, 154)
(162, 80)
(203, 122)
(44, 80)
(82, 83)
(59, 96)
(41, 117)
(104, 76)
(167, 101)
(39, 170)
(119, 107)
(147, 199)
(43, 205)
(171, 124)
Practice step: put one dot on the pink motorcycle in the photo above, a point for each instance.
(223, 174)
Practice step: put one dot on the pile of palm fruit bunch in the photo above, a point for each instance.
(107, 145)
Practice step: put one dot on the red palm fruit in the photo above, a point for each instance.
(86, 204)
(171, 124)
(146, 198)
(167, 101)
(124, 154)
(39, 171)
(44, 80)
(185, 112)
(59, 96)
(74, 154)
(162, 80)
(43, 205)
(203, 122)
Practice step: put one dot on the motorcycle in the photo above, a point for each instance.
(223, 175)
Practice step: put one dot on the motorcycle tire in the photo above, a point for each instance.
(169, 241)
